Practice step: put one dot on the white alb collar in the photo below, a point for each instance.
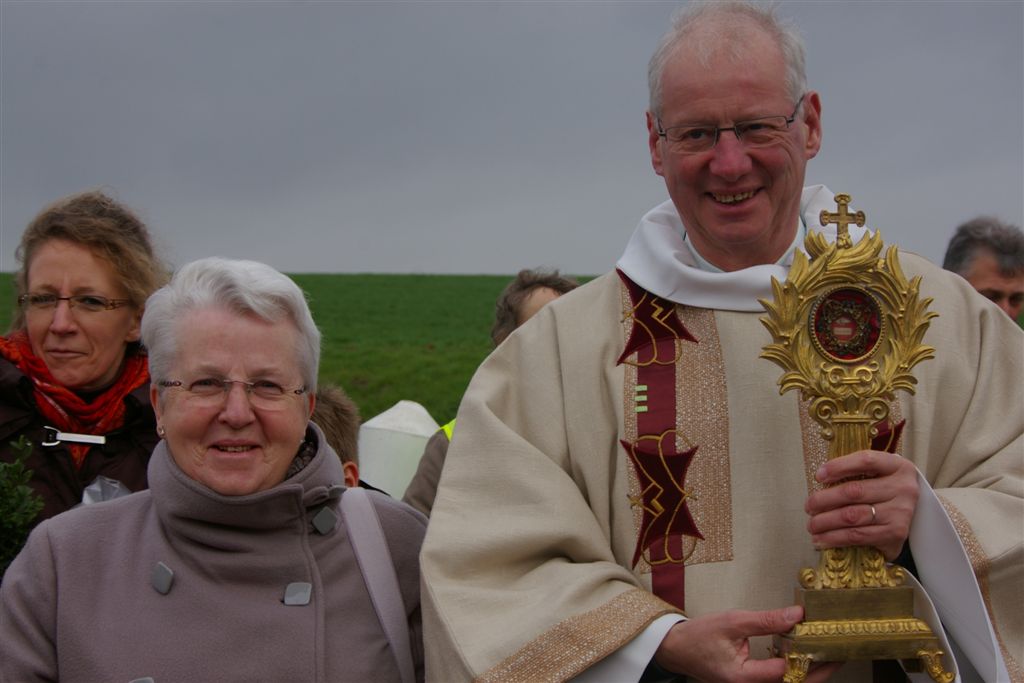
(659, 259)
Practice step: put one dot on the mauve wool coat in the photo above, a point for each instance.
(80, 602)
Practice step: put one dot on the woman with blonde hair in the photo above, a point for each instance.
(73, 375)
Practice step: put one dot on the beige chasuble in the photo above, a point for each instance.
(528, 566)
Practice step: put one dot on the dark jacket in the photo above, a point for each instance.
(124, 457)
(422, 488)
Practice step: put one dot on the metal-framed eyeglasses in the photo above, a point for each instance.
(212, 392)
(86, 303)
(760, 132)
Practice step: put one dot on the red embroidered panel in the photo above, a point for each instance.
(660, 466)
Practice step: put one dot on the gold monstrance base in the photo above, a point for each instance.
(866, 623)
(847, 329)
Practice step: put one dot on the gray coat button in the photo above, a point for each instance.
(325, 520)
(162, 578)
(298, 593)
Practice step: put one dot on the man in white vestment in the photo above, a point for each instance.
(629, 496)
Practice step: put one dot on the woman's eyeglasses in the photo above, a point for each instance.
(89, 303)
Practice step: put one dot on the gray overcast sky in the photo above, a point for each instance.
(468, 137)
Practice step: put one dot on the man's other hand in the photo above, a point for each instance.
(715, 647)
(870, 501)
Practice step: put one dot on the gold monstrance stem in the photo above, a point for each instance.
(847, 328)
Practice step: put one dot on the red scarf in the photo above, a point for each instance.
(66, 410)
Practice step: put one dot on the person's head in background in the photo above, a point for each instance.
(530, 291)
(989, 254)
(87, 266)
(338, 416)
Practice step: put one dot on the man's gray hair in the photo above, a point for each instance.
(719, 31)
(242, 287)
(986, 233)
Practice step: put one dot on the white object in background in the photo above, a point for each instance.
(390, 446)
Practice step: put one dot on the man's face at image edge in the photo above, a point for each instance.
(1007, 292)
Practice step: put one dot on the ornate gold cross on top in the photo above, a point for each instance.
(842, 219)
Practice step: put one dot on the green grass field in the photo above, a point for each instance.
(392, 337)
(6, 299)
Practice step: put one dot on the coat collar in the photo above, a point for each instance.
(187, 507)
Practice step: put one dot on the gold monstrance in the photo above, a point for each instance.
(847, 329)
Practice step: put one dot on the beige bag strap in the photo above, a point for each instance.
(374, 559)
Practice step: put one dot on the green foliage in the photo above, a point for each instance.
(19, 504)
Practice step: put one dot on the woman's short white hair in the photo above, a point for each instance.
(721, 31)
(242, 287)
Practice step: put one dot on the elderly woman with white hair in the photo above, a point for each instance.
(244, 559)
